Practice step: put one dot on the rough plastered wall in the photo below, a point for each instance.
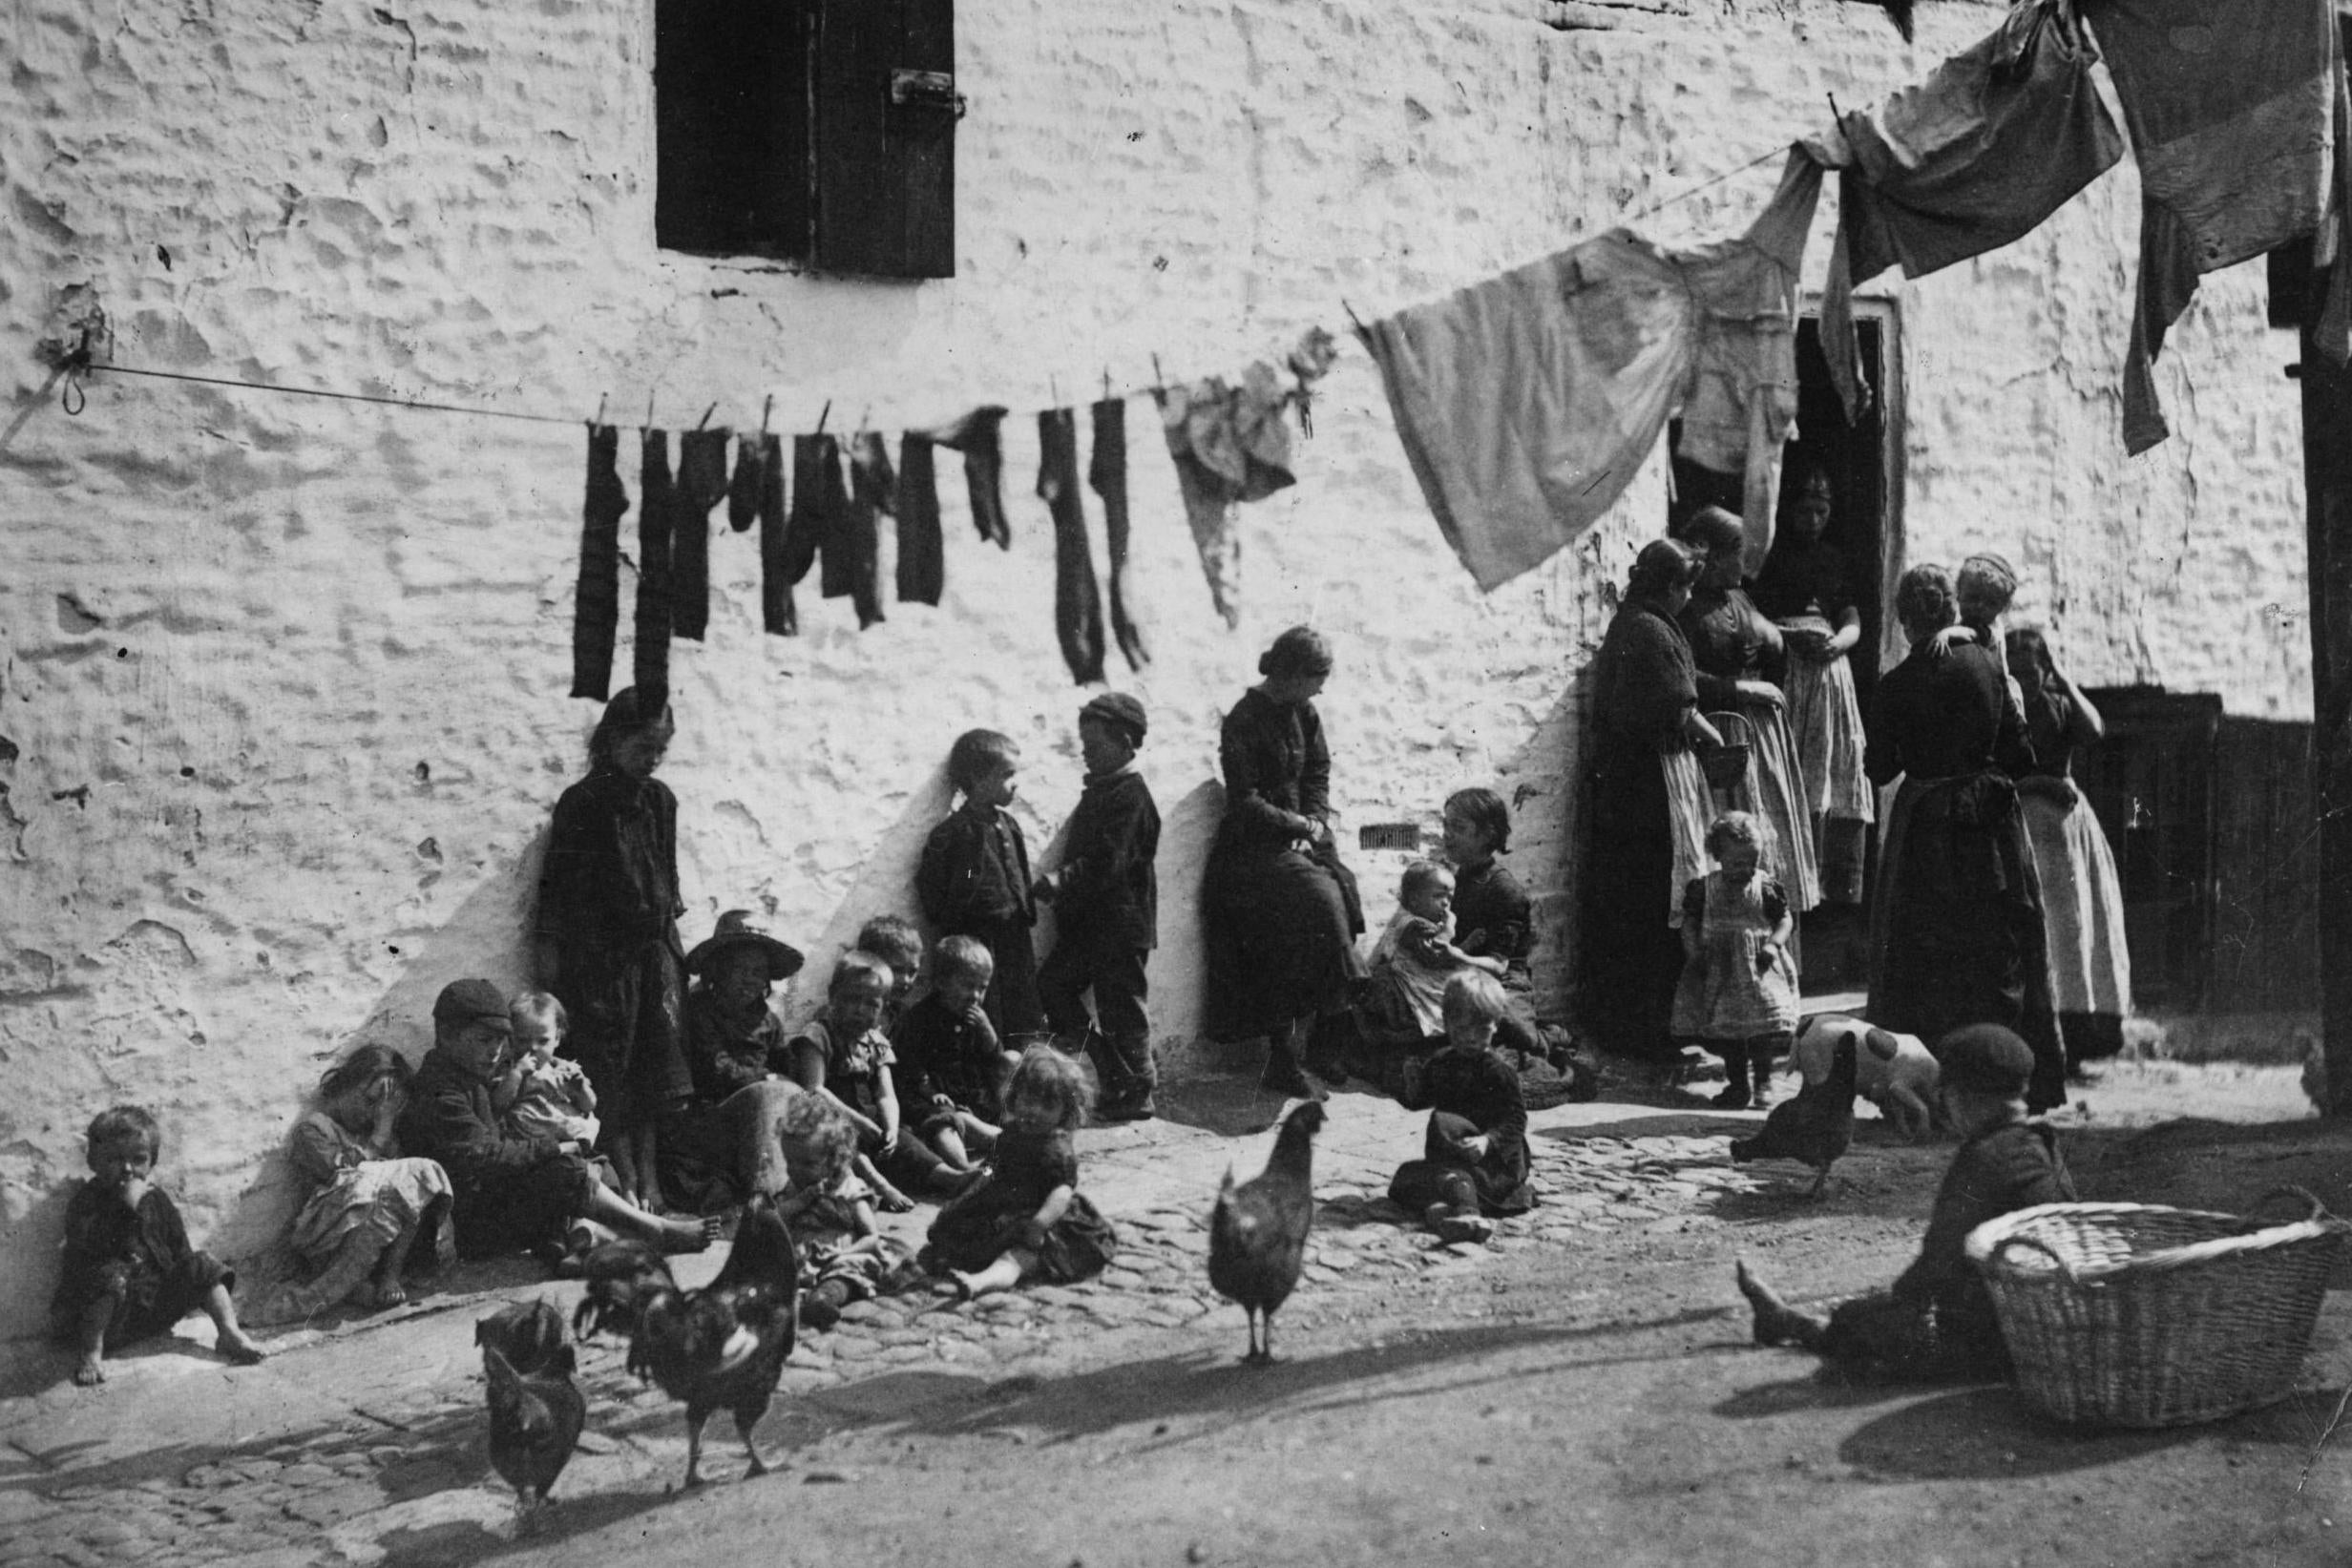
(283, 696)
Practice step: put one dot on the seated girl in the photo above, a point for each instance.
(843, 1255)
(842, 1056)
(1474, 1164)
(366, 1206)
(1026, 1219)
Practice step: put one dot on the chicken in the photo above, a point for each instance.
(528, 1334)
(1257, 1233)
(722, 1347)
(534, 1423)
(621, 1275)
(1813, 1128)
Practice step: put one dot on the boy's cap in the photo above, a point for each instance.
(1986, 1058)
(464, 1002)
(1120, 709)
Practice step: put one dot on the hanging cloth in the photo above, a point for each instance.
(1077, 601)
(922, 569)
(874, 491)
(1996, 139)
(777, 614)
(743, 495)
(820, 506)
(651, 654)
(1107, 473)
(596, 612)
(702, 480)
(978, 435)
(1230, 444)
(2233, 112)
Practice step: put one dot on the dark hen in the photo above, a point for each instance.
(722, 1347)
(528, 1334)
(621, 1275)
(534, 1423)
(1814, 1127)
(1257, 1233)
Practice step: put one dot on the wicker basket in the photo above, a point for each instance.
(2137, 1315)
(1726, 765)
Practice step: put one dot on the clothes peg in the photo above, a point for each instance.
(1106, 383)
(766, 407)
(1053, 389)
(823, 415)
(1158, 382)
(706, 413)
(600, 418)
(650, 400)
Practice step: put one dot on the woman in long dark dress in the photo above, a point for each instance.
(1650, 810)
(1281, 909)
(1960, 906)
(607, 936)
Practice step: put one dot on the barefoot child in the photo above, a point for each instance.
(1106, 906)
(1027, 1221)
(973, 878)
(366, 1207)
(1494, 918)
(551, 1095)
(1936, 1323)
(952, 1067)
(1737, 996)
(842, 1054)
(129, 1272)
(844, 1256)
(1475, 1165)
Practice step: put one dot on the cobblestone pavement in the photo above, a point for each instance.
(400, 1466)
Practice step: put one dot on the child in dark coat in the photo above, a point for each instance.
(1474, 1164)
(129, 1272)
(1106, 905)
(1936, 1323)
(973, 878)
(952, 1067)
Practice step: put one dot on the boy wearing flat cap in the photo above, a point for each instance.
(1936, 1324)
(1106, 905)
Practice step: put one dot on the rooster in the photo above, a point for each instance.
(621, 1275)
(534, 1423)
(1814, 1127)
(528, 1335)
(1257, 1233)
(722, 1347)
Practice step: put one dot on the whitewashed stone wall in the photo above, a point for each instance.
(284, 694)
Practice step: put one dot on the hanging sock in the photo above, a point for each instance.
(922, 569)
(743, 495)
(777, 614)
(820, 503)
(978, 435)
(702, 479)
(1078, 602)
(874, 491)
(651, 654)
(595, 615)
(1107, 473)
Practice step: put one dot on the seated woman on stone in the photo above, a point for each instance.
(721, 1148)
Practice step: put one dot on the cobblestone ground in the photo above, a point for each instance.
(348, 1490)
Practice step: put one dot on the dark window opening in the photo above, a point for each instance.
(731, 127)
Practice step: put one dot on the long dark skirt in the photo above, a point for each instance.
(1278, 939)
(1632, 957)
(627, 1012)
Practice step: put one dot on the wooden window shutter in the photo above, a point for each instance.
(883, 73)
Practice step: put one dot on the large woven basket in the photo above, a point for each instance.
(2138, 1315)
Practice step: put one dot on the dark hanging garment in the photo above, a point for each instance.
(979, 436)
(742, 496)
(874, 491)
(820, 504)
(837, 545)
(776, 609)
(702, 479)
(922, 565)
(1078, 602)
(655, 510)
(1107, 473)
(596, 616)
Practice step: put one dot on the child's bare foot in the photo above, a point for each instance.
(689, 1235)
(89, 1372)
(385, 1293)
(891, 1201)
(239, 1349)
(956, 1287)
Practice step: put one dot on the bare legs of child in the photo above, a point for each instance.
(609, 1208)
(1777, 1322)
(235, 1345)
(957, 1140)
(1006, 1272)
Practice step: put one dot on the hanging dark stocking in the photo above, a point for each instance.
(596, 612)
(873, 491)
(702, 479)
(1107, 473)
(922, 565)
(654, 511)
(1078, 602)
(777, 614)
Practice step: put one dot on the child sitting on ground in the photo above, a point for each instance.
(1936, 1323)
(1401, 1002)
(128, 1273)
(368, 1206)
(1495, 918)
(951, 1065)
(1737, 996)
(841, 1054)
(894, 939)
(1475, 1165)
(974, 879)
(1026, 1219)
(544, 1095)
(844, 1256)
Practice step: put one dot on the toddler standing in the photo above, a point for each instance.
(1027, 1221)
(548, 1095)
(129, 1272)
(973, 878)
(1737, 996)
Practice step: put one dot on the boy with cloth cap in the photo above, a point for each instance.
(1106, 905)
(511, 1193)
(1936, 1324)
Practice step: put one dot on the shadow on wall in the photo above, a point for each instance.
(885, 885)
(1542, 783)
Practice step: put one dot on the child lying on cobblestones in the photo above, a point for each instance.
(130, 1273)
(1474, 1166)
(1936, 1323)
(844, 1256)
(1026, 1219)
